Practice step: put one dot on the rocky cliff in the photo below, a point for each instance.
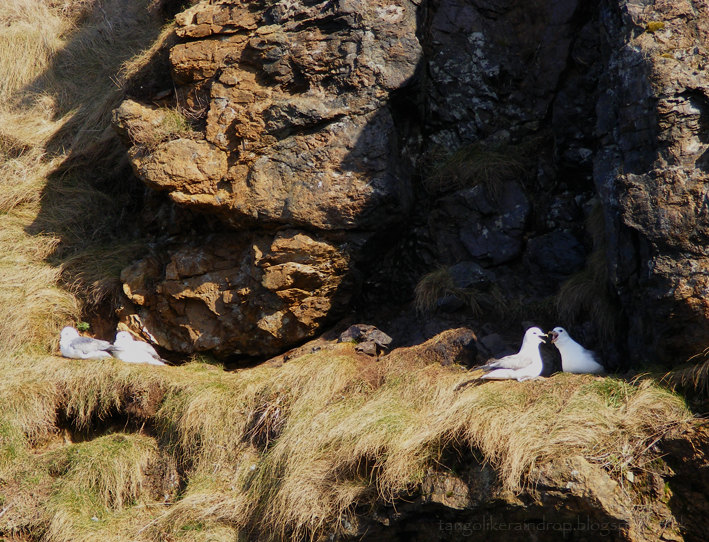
(331, 151)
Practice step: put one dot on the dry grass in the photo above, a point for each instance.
(692, 377)
(439, 283)
(55, 227)
(291, 450)
(475, 164)
(588, 295)
(344, 439)
(170, 123)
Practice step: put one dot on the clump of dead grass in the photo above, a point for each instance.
(437, 284)
(170, 123)
(475, 164)
(588, 295)
(693, 377)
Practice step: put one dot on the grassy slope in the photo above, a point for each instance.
(199, 453)
(295, 447)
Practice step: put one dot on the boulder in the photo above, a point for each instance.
(557, 252)
(297, 107)
(291, 128)
(249, 294)
(490, 229)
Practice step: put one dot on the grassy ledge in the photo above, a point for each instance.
(294, 451)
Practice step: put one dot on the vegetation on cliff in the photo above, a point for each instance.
(103, 450)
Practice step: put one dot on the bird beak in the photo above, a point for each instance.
(552, 336)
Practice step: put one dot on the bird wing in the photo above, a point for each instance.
(149, 349)
(596, 358)
(514, 361)
(87, 345)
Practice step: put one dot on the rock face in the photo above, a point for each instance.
(327, 118)
(249, 294)
(651, 172)
(295, 131)
(574, 499)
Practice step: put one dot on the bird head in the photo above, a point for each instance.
(67, 334)
(558, 334)
(534, 335)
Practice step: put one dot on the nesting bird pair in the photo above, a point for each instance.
(125, 348)
(527, 363)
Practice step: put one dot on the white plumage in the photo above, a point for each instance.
(524, 365)
(129, 350)
(74, 346)
(574, 357)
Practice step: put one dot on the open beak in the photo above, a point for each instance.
(552, 336)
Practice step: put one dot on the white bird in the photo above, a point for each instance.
(524, 365)
(129, 350)
(574, 357)
(72, 345)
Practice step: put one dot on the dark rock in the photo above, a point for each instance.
(469, 274)
(650, 177)
(378, 337)
(494, 66)
(450, 303)
(488, 229)
(367, 347)
(355, 332)
(365, 332)
(557, 252)
(369, 339)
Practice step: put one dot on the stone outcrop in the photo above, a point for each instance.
(573, 499)
(297, 131)
(334, 119)
(294, 129)
(251, 294)
(651, 172)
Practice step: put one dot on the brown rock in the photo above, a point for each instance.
(250, 294)
(298, 108)
(454, 346)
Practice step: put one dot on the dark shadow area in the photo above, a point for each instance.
(92, 201)
(463, 501)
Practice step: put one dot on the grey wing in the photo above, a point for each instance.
(515, 361)
(87, 345)
(150, 350)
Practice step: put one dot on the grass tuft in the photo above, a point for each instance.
(296, 450)
(475, 164)
(588, 294)
(692, 377)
